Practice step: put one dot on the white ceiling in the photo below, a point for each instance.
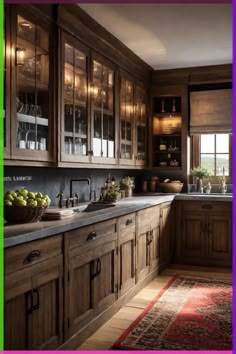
(170, 36)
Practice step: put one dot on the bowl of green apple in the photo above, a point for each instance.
(23, 206)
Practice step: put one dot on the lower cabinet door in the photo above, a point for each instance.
(15, 323)
(126, 268)
(34, 307)
(142, 255)
(166, 236)
(81, 296)
(154, 248)
(193, 238)
(105, 279)
(219, 247)
(46, 319)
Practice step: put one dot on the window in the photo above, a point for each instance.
(213, 152)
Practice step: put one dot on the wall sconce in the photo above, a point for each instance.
(20, 56)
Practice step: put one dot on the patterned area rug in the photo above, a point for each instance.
(188, 314)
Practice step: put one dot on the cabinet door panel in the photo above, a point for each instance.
(127, 260)
(166, 237)
(220, 238)
(105, 281)
(81, 291)
(45, 323)
(193, 235)
(154, 238)
(142, 256)
(15, 324)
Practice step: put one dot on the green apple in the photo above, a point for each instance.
(9, 197)
(23, 192)
(31, 202)
(39, 195)
(12, 193)
(20, 201)
(48, 200)
(7, 202)
(41, 202)
(31, 195)
(19, 197)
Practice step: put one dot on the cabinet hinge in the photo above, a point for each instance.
(68, 276)
(68, 323)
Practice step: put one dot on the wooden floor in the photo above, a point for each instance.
(106, 336)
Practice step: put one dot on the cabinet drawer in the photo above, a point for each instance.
(206, 206)
(22, 256)
(91, 235)
(148, 219)
(127, 221)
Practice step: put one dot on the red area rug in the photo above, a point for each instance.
(188, 314)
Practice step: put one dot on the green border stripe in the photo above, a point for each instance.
(1, 171)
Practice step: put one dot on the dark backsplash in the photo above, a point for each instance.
(53, 181)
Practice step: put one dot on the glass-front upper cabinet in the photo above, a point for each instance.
(6, 101)
(74, 144)
(126, 121)
(33, 126)
(103, 117)
(140, 126)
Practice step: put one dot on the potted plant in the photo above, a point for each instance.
(127, 183)
(199, 173)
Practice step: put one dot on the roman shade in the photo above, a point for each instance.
(211, 111)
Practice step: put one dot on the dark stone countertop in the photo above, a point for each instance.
(21, 233)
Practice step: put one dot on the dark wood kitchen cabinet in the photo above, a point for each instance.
(103, 123)
(148, 242)
(167, 229)
(169, 131)
(133, 122)
(75, 137)
(91, 273)
(33, 308)
(29, 104)
(204, 233)
(126, 254)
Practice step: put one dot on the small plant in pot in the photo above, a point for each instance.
(199, 173)
(127, 184)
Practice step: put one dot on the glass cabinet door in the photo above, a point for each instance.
(103, 111)
(75, 91)
(126, 119)
(141, 124)
(32, 86)
(6, 102)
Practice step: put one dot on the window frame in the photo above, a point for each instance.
(196, 155)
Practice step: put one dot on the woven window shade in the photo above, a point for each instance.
(211, 111)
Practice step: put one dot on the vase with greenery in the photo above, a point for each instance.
(199, 173)
(127, 183)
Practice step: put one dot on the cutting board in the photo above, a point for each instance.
(57, 214)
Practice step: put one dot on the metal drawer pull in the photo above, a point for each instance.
(92, 236)
(128, 222)
(207, 206)
(33, 255)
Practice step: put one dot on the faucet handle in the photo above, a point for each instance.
(60, 203)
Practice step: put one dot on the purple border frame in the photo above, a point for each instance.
(233, 151)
